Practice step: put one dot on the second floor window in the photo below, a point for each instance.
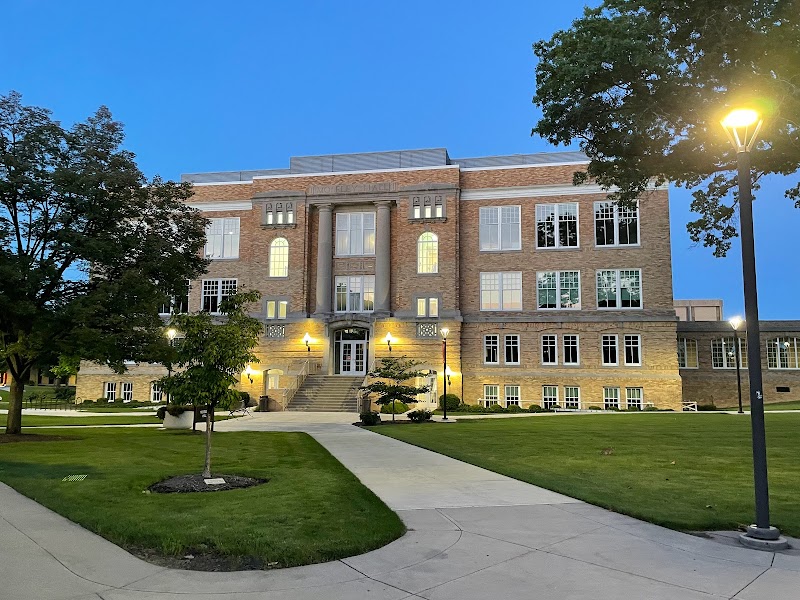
(511, 343)
(571, 350)
(176, 304)
(619, 289)
(633, 350)
(428, 307)
(687, 353)
(222, 238)
(355, 294)
(501, 291)
(782, 353)
(277, 309)
(279, 258)
(500, 228)
(428, 253)
(549, 349)
(616, 225)
(558, 289)
(723, 353)
(355, 234)
(491, 349)
(609, 351)
(215, 291)
(557, 225)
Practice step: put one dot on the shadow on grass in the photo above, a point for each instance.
(30, 470)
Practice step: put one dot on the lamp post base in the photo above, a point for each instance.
(760, 538)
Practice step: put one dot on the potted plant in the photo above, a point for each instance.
(176, 416)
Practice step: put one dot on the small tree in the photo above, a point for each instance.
(210, 356)
(391, 374)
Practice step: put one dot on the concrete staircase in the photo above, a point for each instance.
(327, 393)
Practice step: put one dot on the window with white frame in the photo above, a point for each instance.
(511, 395)
(178, 304)
(549, 396)
(511, 343)
(558, 290)
(633, 350)
(616, 225)
(277, 309)
(633, 398)
(215, 291)
(355, 234)
(127, 391)
(549, 349)
(619, 288)
(279, 258)
(572, 397)
(428, 307)
(156, 393)
(782, 353)
(610, 356)
(572, 354)
(687, 353)
(557, 225)
(427, 206)
(610, 397)
(491, 394)
(491, 349)
(500, 228)
(280, 213)
(501, 291)
(110, 390)
(355, 293)
(428, 253)
(723, 353)
(222, 238)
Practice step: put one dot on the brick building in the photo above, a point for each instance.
(551, 294)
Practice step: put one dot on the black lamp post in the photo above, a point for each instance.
(742, 127)
(735, 322)
(444, 331)
(171, 333)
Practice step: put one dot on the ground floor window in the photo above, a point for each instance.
(512, 395)
(610, 398)
(491, 393)
(127, 391)
(156, 393)
(633, 398)
(549, 396)
(572, 397)
(110, 391)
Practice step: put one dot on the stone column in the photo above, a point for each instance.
(383, 258)
(324, 259)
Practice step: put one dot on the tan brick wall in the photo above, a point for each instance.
(92, 377)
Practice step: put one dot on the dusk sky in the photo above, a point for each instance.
(211, 86)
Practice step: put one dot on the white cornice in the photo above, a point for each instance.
(248, 182)
(337, 173)
(537, 191)
(531, 166)
(222, 205)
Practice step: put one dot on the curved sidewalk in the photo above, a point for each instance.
(472, 534)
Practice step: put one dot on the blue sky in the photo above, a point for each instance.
(207, 86)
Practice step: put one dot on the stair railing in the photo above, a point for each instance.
(308, 367)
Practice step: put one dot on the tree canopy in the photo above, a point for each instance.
(89, 247)
(643, 84)
(390, 374)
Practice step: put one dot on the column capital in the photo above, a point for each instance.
(383, 203)
(327, 207)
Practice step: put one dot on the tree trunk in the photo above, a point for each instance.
(14, 420)
(207, 466)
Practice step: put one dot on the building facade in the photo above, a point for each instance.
(551, 294)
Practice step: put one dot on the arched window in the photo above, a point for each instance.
(428, 253)
(279, 258)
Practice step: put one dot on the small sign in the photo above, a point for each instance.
(215, 481)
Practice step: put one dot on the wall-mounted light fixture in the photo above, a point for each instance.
(389, 340)
(248, 370)
(171, 333)
(448, 373)
(307, 340)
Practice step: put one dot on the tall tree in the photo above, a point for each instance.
(88, 246)
(210, 357)
(642, 84)
(390, 377)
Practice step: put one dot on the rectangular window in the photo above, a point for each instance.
(633, 350)
(500, 228)
(723, 353)
(491, 350)
(633, 398)
(222, 238)
(549, 396)
(156, 393)
(110, 390)
(616, 225)
(572, 355)
(610, 397)
(609, 351)
(177, 305)
(687, 353)
(549, 349)
(355, 293)
(512, 349)
(501, 291)
(427, 307)
(557, 225)
(491, 394)
(127, 391)
(215, 291)
(355, 234)
(619, 288)
(782, 353)
(277, 309)
(558, 289)
(511, 395)
(572, 397)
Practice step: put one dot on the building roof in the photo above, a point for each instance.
(397, 159)
(725, 327)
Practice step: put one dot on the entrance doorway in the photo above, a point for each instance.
(350, 351)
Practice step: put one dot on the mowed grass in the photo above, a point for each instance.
(48, 421)
(311, 510)
(684, 471)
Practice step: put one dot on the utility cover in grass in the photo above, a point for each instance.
(182, 484)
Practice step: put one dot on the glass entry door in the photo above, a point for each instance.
(351, 352)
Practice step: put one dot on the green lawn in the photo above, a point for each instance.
(709, 486)
(312, 509)
(47, 420)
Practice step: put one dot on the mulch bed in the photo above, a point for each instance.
(183, 484)
(10, 438)
(203, 561)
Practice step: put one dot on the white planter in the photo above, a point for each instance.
(183, 421)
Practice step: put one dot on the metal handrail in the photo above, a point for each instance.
(309, 366)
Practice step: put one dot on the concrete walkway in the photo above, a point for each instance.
(472, 534)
